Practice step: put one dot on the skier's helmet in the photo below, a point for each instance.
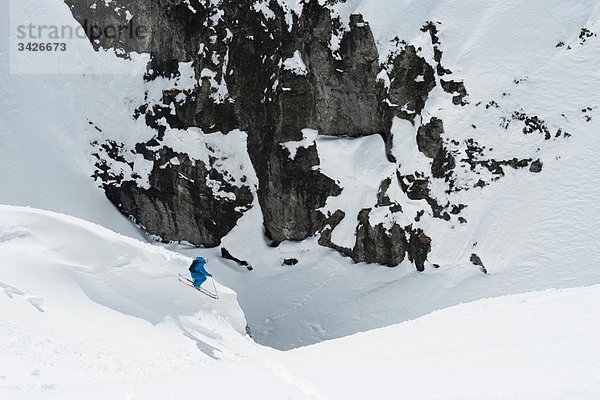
(202, 260)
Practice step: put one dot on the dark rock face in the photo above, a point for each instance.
(145, 33)
(335, 92)
(412, 78)
(457, 89)
(536, 166)
(429, 137)
(374, 244)
(228, 256)
(381, 245)
(419, 246)
(476, 260)
(443, 165)
(274, 74)
(383, 200)
(175, 204)
(339, 97)
(430, 143)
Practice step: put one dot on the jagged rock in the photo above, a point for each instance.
(480, 183)
(419, 246)
(412, 78)
(415, 189)
(290, 261)
(475, 154)
(341, 97)
(430, 27)
(383, 199)
(429, 139)
(476, 260)
(457, 209)
(535, 124)
(430, 143)
(437, 57)
(270, 79)
(167, 30)
(338, 97)
(227, 255)
(418, 189)
(376, 244)
(457, 89)
(179, 204)
(294, 192)
(536, 166)
(443, 164)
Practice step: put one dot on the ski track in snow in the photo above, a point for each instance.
(36, 301)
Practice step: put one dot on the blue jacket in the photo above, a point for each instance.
(199, 273)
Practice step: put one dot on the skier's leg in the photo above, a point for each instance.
(196, 275)
(199, 280)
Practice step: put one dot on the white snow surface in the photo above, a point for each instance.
(529, 346)
(296, 64)
(89, 313)
(533, 231)
(45, 129)
(308, 139)
(81, 304)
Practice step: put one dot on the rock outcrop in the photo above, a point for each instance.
(276, 74)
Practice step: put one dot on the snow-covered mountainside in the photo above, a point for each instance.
(76, 281)
(455, 138)
(238, 94)
(536, 345)
(87, 313)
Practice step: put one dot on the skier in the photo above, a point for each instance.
(199, 273)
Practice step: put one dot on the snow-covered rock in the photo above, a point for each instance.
(513, 185)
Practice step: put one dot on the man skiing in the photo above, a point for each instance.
(199, 273)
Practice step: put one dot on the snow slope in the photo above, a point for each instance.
(52, 103)
(532, 231)
(542, 345)
(87, 313)
(81, 304)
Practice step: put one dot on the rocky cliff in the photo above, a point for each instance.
(277, 79)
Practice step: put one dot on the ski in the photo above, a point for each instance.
(188, 282)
